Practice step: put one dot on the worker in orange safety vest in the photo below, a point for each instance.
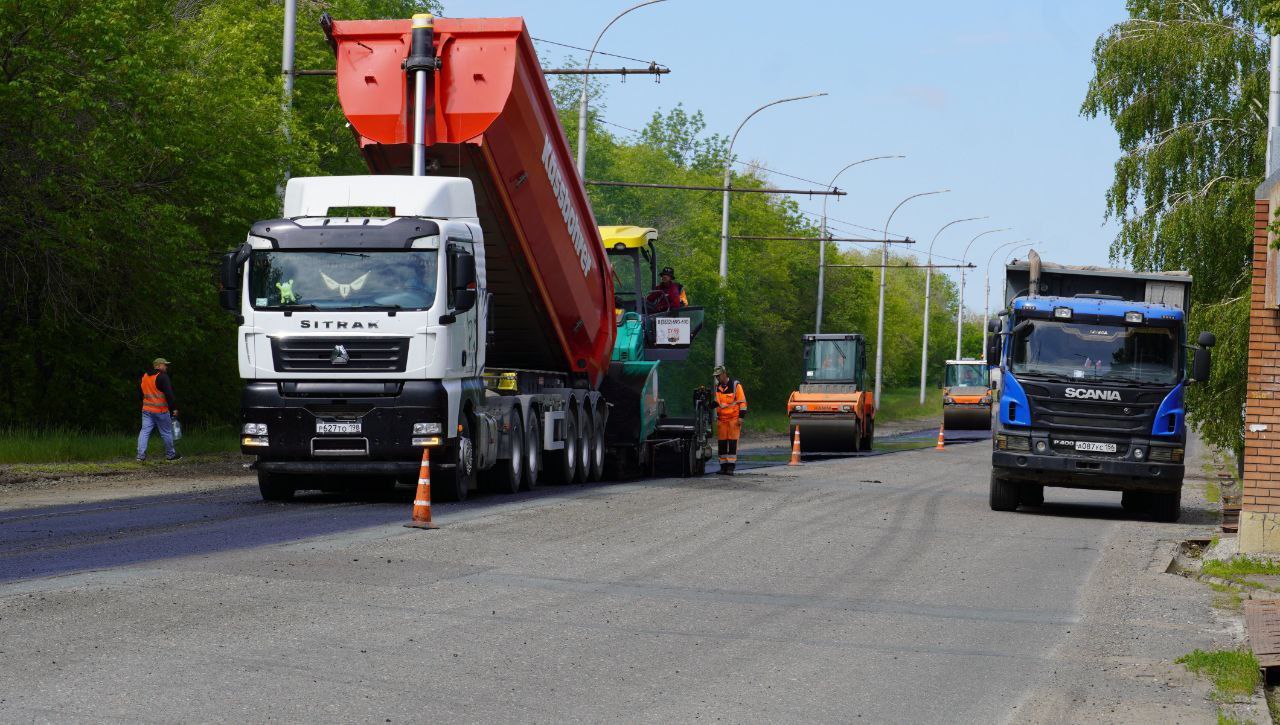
(158, 409)
(731, 408)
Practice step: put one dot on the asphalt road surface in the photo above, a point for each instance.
(879, 588)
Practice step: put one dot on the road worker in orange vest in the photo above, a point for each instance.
(158, 409)
(731, 408)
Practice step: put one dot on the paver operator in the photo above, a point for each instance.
(731, 408)
(669, 294)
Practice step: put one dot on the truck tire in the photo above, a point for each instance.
(507, 476)
(1133, 502)
(1004, 493)
(1165, 507)
(453, 482)
(275, 487)
(867, 436)
(1030, 494)
(562, 465)
(597, 449)
(532, 451)
(586, 441)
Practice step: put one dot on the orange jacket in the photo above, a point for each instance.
(730, 400)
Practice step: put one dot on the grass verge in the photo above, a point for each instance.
(69, 446)
(1240, 568)
(1234, 673)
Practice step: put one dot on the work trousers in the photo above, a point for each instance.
(728, 430)
(156, 421)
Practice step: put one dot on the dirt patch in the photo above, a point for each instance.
(27, 477)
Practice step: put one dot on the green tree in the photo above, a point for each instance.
(1184, 84)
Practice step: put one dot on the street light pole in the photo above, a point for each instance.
(724, 212)
(582, 101)
(928, 278)
(884, 261)
(960, 304)
(986, 287)
(286, 69)
(822, 247)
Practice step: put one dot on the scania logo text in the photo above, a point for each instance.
(1088, 394)
(337, 325)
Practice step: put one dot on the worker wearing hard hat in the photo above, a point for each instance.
(731, 408)
(158, 409)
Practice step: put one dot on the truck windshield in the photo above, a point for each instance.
(967, 376)
(1078, 351)
(830, 361)
(345, 280)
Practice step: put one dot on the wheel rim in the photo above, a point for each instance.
(570, 449)
(585, 443)
(597, 464)
(466, 459)
(517, 456)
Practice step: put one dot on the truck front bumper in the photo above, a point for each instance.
(1093, 473)
(386, 413)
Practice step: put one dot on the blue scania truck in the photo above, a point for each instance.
(1094, 366)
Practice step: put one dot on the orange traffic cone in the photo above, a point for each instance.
(942, 440)
(422, 500)
(795, 448)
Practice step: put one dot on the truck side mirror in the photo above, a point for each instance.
(1207, 339)
(993, 348)
(229, 280)
(1201, 363)
(462, 280)
(993, 325)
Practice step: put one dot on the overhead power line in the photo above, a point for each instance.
(598, 52)
(734, 189)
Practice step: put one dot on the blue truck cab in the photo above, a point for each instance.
(1093, 366)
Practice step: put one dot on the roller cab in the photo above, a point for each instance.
(966, 395)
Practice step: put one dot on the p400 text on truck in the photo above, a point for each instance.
(1094, 367)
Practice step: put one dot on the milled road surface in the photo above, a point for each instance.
(879, 588)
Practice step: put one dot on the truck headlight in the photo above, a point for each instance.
(1007, 442)
(254, 441)
(254, 429)
(1041, 447)
(1138, 453)
(420, 429)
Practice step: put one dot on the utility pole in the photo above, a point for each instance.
(1273, 108)
(928, 277)
(724, 209)
(286, 69)
(582, 101)
(822, 250)
(884, 261)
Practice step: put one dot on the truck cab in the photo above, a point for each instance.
(1092, 387)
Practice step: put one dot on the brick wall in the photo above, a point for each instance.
(1262, 408)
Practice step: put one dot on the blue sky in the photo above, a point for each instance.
(982, 97)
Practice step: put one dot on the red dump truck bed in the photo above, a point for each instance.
(491, 119)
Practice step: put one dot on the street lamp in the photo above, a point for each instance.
(884, 261)
(960, 306)
(822, 248)
(582, 101)
(724, 211)
(986, 284)
(928, 278)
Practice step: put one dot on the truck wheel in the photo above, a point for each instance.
(586, 441)
(562, 465)
(868, 435)
(1165, 507)
(532, 451)
(1133, 501)
(455, 481)
(1031, 495)
(275, 487)
(1004, 493)
(597, 449)
(507, 476)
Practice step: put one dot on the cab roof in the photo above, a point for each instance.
(1099, 306)
(627, 237)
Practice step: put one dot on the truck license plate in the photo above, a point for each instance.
(1093, 447)
(337, 427)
